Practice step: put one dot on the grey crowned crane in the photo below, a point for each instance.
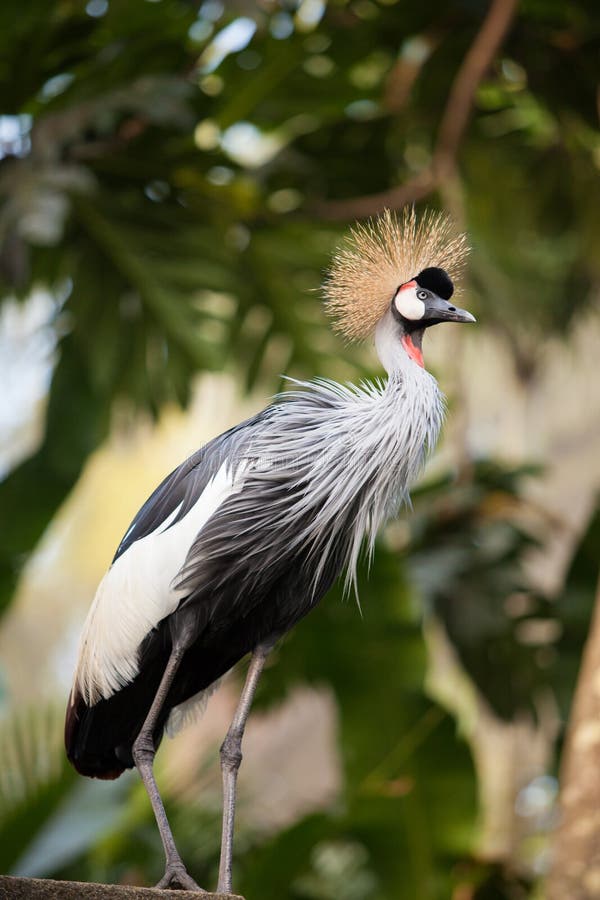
(247, 535)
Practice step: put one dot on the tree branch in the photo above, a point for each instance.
(453, 125)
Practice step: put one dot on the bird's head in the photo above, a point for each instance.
(421, 302)
(395, 276)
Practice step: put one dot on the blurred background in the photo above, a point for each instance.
(173, 179)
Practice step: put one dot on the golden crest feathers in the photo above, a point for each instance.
(380, 255)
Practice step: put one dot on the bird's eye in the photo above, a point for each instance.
(422, 295)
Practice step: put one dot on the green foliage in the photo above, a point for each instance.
(469, 541)
(75, 425)
(575, 607)
(35, 778)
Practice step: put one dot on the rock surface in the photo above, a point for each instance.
(45, 889)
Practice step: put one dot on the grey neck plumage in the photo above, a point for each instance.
(388, 343)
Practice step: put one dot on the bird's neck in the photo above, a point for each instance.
(398, 350)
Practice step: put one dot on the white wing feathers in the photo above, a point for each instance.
(137, 592)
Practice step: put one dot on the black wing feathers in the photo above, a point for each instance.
(185, 484)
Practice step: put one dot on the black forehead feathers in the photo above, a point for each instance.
(437, 281)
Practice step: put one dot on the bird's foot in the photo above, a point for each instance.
(177, 878)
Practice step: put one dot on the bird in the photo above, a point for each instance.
(247, 535)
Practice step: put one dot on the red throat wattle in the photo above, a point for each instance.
(414, 352)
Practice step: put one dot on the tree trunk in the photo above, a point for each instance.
(575, 872)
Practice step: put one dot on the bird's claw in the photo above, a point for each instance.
(177, 878)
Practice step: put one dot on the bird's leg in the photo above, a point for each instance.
(231, 757)
(143, 755)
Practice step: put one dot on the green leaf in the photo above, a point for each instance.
(35, 778)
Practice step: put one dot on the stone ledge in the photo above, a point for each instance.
(46, 889)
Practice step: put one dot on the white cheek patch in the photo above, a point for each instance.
(408, 304)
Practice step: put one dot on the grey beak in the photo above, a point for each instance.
(462, 315)
(438, 310)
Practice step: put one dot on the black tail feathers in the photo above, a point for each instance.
(99, 738)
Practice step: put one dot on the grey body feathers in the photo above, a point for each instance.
(325, 466)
